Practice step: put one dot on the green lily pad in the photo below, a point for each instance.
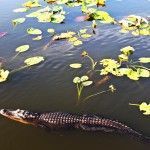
(37, 38)
(85, 36)
(75, 65)
(143, 72)
(22, 48)
(50, 30)
(87, 83)
(3, 75)
(15, 22)
(128, 50)
(31, 4)
(144, 59)
(34, 31)
(34, 60)
(78, 42)
(76, 80)
(123, 57)
(20, 10)
(133, 75)
(84, 78)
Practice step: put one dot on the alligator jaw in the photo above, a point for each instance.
(17, 115)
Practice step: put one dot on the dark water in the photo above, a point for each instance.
(49, 87)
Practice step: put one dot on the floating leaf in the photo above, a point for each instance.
(143, 72)
(133, 75)
(31, 4)
(124, 31)
(76, 43)
(34, 60)
(84, 78)
(86, 36)
(76, 80)
(22, 48)
(143, 107)
(72, 39)
(34, 31)
(87, 83)
(128, 50)
(57, 18)
(15, 22)
(75, 65)
(37, 38)
(123, 57)
(144, 59)
(83, 31)
(3, 75)
(20, 10)
(50, 30)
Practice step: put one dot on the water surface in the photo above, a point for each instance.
(49, 87)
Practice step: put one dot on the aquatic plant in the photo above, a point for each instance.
(93, 63)
(31, 4)
(18, 21)
(143, 107)
(34, 31)
(54, 14)
(133, 70)
(137, 24)
(81, 82)
(3, 75)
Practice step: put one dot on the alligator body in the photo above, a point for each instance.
(59, 120)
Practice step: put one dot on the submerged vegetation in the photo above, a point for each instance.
(54, 12)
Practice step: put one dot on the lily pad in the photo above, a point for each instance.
(128, 50)
(31, 4)
(34, 31)
(37, 38)
(144, 59)
(20, 10)
(50, 30)
(84, 78)
(22, 48)
(87, 83)
(78, 42)
(143, 72)
(34, 60)
(75, 65)
(76, 80)
(15, 22)
(3, 75)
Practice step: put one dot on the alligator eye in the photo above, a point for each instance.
(4, 110)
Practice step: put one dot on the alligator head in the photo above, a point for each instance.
(22, 116)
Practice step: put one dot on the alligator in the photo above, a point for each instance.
(60, 120)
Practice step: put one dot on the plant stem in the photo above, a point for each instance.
(92, 62)
(14, 57)
(134, 104)
(142, 67)
(18, 69)
(94, 95)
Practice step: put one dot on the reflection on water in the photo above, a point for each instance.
(49, 85)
